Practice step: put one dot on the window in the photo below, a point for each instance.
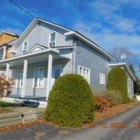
(38, 80)
(19, 78)
(57, 73)
(129, 85)
(102, 78)
(85, 72)
(52, 39)
(25, 48)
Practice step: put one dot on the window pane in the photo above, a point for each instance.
(52, 37)
(57, 73)
(25, 46)
(36, 76)
(41, 77)
(21, 78)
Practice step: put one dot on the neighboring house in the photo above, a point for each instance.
(46, 51)
(6, 41)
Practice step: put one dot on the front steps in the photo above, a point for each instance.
(30, 114)
(9, 119)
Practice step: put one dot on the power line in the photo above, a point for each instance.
(22, 8)
(9, 6)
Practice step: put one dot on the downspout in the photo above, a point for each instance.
(74, 54)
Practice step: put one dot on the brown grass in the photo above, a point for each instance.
(112, 111)
(5, 110)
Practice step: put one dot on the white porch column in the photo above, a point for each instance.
(7, 70)
(4, 52)
(24, 78)
(50, 63)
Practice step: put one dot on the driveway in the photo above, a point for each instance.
(125, 126)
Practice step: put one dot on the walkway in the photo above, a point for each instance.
(103, 131)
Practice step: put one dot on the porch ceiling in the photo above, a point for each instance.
(39, 57)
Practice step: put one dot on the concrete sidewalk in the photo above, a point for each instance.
(47, 132)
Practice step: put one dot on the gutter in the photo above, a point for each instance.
(126, 68)
(30, 55)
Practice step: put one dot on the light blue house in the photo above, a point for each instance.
(46, 51)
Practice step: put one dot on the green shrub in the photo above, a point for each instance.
(114, 97)
(117, 80)
(70, 102)
(6, 104)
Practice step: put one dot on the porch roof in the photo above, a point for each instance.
(34, 57)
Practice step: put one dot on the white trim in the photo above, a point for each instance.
(23, 45)
(102, 78)
(72, 33)
(49, 78)
(126, 68)
(4, 52)
(29, 28)
(5, 32)
(7, 70)
(35, 46)
(129, 85)
(50, 39)
(54, 50)
(33, 85)
(25, 67)
(85, 75)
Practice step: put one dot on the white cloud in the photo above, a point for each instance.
(107, 40)
(126, 25)
(12, 30)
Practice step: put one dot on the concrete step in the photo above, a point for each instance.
(6, 120)
(10, 115)
(10, 123)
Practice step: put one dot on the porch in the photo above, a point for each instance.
(34, 73)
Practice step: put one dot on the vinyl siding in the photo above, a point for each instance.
(90, 58)
(40, 35)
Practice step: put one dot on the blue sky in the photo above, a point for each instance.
(108, 23)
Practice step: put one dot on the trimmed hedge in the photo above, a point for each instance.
(117, 80)
(70, 102)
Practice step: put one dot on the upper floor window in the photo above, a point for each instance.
(85, 72)
(52, 39)
(19, 78)
(25, 48)
(102, 78)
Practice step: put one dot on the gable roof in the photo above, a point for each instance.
(5, 32)
(124, 65)
(69, 33)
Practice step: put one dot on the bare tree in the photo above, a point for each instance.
(130, 57)
(5, 86)
(122, 54)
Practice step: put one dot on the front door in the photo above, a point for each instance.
(56, 73)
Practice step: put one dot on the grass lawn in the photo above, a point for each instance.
(5, 110)
(6, 104)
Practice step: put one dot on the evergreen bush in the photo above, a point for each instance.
(70, 102)
(117, 80)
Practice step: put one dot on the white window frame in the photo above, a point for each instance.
(23, 47)
(38, 81)
(81, 72)
(129, 85)
(20, 81)
(52, 41)
(102, 78)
